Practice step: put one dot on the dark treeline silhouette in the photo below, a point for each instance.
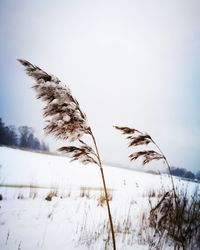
(182, 172)
(21, 137)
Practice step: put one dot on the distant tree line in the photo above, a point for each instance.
(182, 172)
(21, 137)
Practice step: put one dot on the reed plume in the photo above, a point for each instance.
(67, 122)
(138, 138)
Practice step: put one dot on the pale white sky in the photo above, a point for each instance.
(133, 63)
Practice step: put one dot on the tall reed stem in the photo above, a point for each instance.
(168, 166)
(105, 191)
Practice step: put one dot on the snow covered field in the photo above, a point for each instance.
(51, 203)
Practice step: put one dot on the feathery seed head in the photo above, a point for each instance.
(66, 120)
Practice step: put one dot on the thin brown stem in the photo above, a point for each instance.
(105, 191)
(168, 166)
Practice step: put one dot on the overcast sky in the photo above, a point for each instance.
(133, 63)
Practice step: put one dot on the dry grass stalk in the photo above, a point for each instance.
(85, 154)
(174, 215)
(137, 138)
(66, 121)
(51, 194)
(102, 199)
(180, 220)
(148, 155)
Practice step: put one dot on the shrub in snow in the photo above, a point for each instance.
(66, 121)
(178, 220)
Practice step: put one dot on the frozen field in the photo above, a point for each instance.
(51, 203)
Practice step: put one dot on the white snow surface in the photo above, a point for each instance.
(75, 217)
